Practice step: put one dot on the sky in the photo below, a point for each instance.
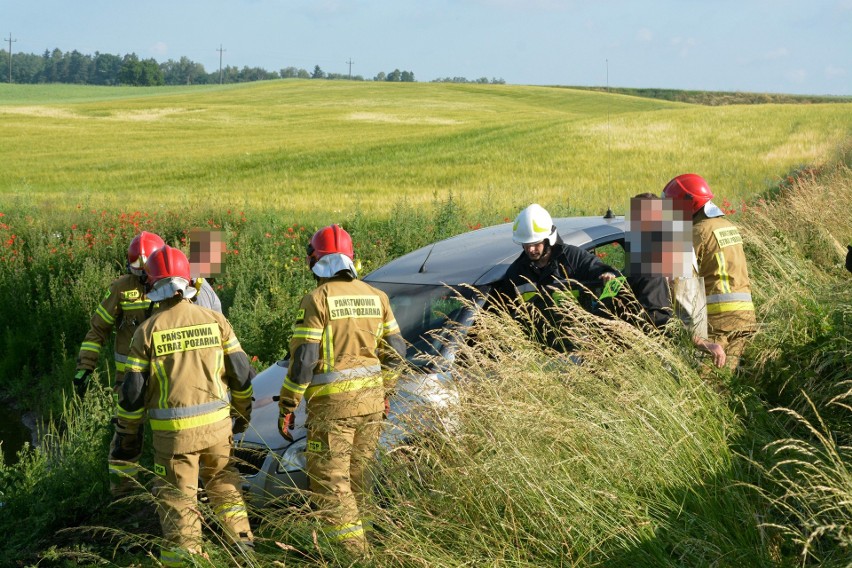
(767, 46)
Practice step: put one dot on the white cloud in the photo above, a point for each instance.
(645, 35)
(160, 48)
(777, 53)
(797, 75)
(684, 44)
(833, 71)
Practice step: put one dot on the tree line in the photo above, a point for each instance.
(108, 69)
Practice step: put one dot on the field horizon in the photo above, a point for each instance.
(336, 148)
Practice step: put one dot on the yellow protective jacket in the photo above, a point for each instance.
(186, 369)
(343, 333)
(122, 308)
(722, 263)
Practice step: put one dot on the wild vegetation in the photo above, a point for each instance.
(639, 456)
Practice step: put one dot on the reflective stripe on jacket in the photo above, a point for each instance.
(123, 308)
(187, 370)
(345, 320)
(722, 263)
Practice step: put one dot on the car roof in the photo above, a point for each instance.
(482, 257)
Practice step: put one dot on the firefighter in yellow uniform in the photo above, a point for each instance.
(123, 308)
(187, 371)
(345, 331)
(721, 261)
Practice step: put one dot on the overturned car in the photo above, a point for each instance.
(435, 293)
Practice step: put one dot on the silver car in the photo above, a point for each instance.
(426, 288)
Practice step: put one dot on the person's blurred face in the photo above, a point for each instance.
(659, 237)
(206, 249)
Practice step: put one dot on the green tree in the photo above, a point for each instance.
(106, 67)
(318, 73)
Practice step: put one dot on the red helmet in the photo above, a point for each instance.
(689, 186)
(329, 240)
(168, 273)
(141, 248)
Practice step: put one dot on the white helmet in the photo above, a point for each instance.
(533, 225)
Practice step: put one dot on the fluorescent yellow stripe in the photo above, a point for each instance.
(90, 346)
(232, 346)
(391, 327)
(177, 424)
(343, 532)
(293, 387)
(128, 415)
(307, 333)
(345, 386)
(243, 394)
(138, 305)
(105, 315)
(163, 381)
(722, 272)
(328, 350)
(136, 364)
(120, 367)
(723, 307)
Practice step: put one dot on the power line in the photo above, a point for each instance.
(220, 50)
(350, 62)
(10, 40)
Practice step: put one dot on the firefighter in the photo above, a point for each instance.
(542, 273)
(123, 307)
(185, 364)
(721, 261)
(344, 331)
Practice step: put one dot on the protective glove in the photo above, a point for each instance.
(81, 381)
(241, 424)
(849, 258)
(285, 423)
(387, 408)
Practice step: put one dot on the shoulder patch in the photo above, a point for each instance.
(131, 294)
(300, 316)
(727, 236)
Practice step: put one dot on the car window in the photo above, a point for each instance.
(611, 253)
(425, 313)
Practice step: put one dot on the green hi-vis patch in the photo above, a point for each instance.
(349, 307)
(300, 316)
(314, 446)
(131, 295)
(727, 236)
(612, 288)
(189, 338)
(160, 469)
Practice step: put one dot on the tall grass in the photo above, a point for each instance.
(638, 456)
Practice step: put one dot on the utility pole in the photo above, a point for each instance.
(350, 62)
(220, 50)
(10, 40)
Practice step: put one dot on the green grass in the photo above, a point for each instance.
(638, 457)
(337, 147)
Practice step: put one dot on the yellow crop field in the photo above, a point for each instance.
(301, 146)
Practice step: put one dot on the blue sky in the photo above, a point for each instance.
(775, 46)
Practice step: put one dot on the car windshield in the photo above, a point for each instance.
(425, 314)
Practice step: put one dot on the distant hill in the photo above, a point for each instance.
(718, 98)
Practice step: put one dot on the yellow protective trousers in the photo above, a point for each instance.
(340, 453)
(177, 495)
